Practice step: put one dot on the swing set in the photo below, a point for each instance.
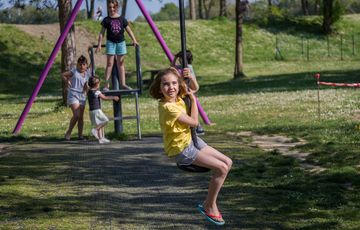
(69, 23)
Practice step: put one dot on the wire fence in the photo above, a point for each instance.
(336, 47)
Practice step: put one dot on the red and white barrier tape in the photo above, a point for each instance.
(317, 76)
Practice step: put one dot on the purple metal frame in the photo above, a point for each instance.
(48, 65)
(60, 41)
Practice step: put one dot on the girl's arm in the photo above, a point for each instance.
(131, 34)
(102, 96)
(101, 35)
(193, 82)
(66, 77)
(191, 120)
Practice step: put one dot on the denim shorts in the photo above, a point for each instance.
(189, 154)
(75, 98)
(113, 48)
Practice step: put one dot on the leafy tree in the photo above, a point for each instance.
(208, 4)
(29, 15)
(200, 9)
(305, 7)
(20, 4)
(44, 4)
(223, 8)
(168, 12)
(90, 8)
(332, 11)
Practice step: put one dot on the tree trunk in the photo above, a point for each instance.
(223, 8)
(240, 8)
(88, 15)
(192, 9)
(123, 9)
(207, 6)
(317, 7)
(90, 9)
(305, 7)
(327, 16)
(68, 48)
(201, 16)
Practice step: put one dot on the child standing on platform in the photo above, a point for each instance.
(115, 25)
(175, 124)
(97, 117)
(75, 80)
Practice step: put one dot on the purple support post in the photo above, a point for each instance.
(167, 51)
(155, 30)
(48, 65)
(202, 113)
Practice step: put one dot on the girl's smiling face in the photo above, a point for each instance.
(169, 87)
(112, 9)
(82, 67)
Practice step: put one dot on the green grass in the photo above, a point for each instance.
(267, 190)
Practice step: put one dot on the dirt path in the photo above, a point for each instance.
(284, 145)
(51, 32)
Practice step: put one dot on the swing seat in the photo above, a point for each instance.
(193, 168)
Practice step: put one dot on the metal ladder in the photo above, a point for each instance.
(115, 91)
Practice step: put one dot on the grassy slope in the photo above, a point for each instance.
(276, 97)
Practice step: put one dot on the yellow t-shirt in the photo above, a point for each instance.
(176, 135)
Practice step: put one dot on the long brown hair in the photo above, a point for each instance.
(155, 88)
(115, 2)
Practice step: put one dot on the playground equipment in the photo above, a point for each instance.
(166, 49)
(189, 168)
(116, 91)
(48, 65)
(117, 105)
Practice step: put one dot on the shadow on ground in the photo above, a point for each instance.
(277, 83)
(132, 185)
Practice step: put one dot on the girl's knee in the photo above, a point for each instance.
(109, 64)
(223, 169)
(229, 163)
(76, 116)
(121, 64)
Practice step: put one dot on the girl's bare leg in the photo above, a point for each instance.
(81, 121)
(109, 66)
(75, 108)
(220, 164)
(120, 62)
(103, 131)
(100, 130)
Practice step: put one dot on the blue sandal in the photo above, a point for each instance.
(210, 217)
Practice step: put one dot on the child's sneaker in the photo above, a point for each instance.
(104, 140)
(95, 133)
